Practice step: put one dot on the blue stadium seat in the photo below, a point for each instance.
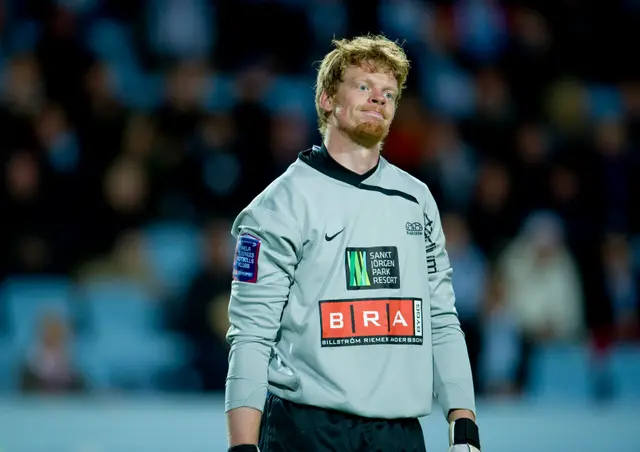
(25, 299)
(625, 367)
(9, 366)
(131, 360)
(117, 306)
(174, 252)
(560, 372)
(90, 364)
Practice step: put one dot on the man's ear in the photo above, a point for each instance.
(326, 102)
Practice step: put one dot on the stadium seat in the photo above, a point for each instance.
(25, 299)
(625, 367)
(560, 372)
(90, 364)
(117, 306)
(174, 252)
(9, 365)
(130, 360)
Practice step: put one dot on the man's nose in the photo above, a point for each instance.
(380, 100)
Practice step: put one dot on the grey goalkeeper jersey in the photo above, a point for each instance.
(341, 295)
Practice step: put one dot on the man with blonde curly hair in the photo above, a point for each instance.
(341, 96)
(342, 312)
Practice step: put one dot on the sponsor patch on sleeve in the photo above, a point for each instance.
(245, 259)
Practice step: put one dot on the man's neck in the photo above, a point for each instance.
(352, 156)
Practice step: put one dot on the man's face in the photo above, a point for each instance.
(365, 104)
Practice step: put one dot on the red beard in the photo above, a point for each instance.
(369, 133)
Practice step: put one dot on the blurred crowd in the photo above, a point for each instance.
(522, 117)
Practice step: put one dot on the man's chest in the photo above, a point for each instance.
(369, 238)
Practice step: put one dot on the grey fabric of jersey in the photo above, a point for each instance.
(342, 298)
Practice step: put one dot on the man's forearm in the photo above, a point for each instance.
(243, 426)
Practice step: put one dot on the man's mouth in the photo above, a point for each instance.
(373, 113)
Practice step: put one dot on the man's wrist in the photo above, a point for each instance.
(458, 413)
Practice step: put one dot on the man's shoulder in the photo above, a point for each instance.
(284, 192)
(409, 182)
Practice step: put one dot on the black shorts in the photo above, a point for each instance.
(290, 427)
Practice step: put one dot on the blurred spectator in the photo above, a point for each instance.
(457, 166)
(58, 140)
(196, 316)
(542, 287)
(328, 19)
(582, 218)
(622, 286)
(63, 57)
(404, 144)
(529, 60)
(267, 31)
(489, 128)
(22, 99)
(501, 352)
(481, 29)
(26, 240)
(181, 107)
(254, 140)
(214, 154)
(492, 216)
(469, 285)
(531, 169)
(615, 160)
(289, 134)
(567, 106)
(139, 139)
(126, 261)
(49, 368)
(630, 93)
(542, 282)
(101, 124)
(179, 29)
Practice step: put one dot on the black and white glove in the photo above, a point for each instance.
(244, 448)
(464, 436)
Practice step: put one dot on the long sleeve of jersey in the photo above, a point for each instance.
(453, 384)
(267, 246)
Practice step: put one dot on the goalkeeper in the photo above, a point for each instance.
(343, 323)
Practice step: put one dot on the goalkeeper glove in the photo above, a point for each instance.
(464, 436)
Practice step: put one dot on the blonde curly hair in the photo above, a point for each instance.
(376, 51)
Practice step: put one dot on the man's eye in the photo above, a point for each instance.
(390, 96)
(363, 87)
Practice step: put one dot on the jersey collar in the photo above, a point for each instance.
(319, 159)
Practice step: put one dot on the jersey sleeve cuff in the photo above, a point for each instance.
(256, 399)
(452, 396)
